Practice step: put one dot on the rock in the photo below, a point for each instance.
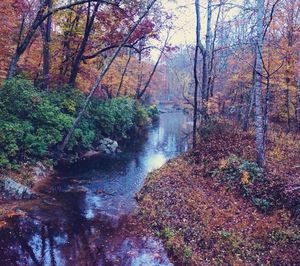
(91, 153)
(114, 146)
(76, 189)
(108, 146)
(40, 171)
(14, 190)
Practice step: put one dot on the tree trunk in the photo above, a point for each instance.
(195, 106)
(298, 97)
(87, 31)
(140, 95)
(206, 59)
(207, 54)
(46, 34)
(124, 72)
(140, 74)
(259, 123)
(212, 72)
(251, 99)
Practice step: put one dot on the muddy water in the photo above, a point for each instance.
(86, 205)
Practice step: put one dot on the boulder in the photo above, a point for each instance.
(91, 153)
(39, 172)
(14, 190)
(108, 146)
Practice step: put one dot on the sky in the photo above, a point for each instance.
(184, 21)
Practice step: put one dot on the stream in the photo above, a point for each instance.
(87, 203)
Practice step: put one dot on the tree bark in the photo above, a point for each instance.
(195, 106)
(102, 73)
(124, 72)
(259, 123)
(298, 97)
(140, 74)
(87, 31)
(46, 34)
(212, 74)
(251, 99)
(207, 54)
(140, 95)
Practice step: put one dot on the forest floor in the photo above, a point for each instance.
(213, 206)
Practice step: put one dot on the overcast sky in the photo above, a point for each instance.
(183, 12)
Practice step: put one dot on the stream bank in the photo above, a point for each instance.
(213, 206)
(81, 217)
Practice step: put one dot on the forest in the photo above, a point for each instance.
(149, 132)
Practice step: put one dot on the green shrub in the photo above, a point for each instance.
(34, 122)
(116, 117)
(153, 112)
(69, 100)
(168, 233)
(187, 253)
(30, 125)
(248, 177)
(141, 117)
(83, 136)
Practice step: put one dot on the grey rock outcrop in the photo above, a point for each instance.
(108, 146)
(13, 190)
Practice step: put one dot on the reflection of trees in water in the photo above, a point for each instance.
(32, 242)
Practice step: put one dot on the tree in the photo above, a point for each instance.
(101, 75)
(195, 106)
(46, 34)
(25, 38)
(259, 123)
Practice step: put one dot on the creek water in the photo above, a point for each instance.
(85, 205)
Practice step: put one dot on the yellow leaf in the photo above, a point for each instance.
(245, 178)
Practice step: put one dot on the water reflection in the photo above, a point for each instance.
(86, 206)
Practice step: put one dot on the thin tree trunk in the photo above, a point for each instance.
(195, 115)
(140, 72)
(290, 37)
(287, 105)
(207, 54)
(139, 96)
(298, 97)
(206, 60)
(124, 72)
(87, 31)
(211, 75)
(102, 73)
(251, 99)
(46, 34)
(259, 123)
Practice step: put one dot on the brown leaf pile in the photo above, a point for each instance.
(203, 221)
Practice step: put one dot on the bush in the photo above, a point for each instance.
(142, 117)
(30, 125)
(113, 118)
(34, 122)
(248, 177)
(69, 100)
(153, 112)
